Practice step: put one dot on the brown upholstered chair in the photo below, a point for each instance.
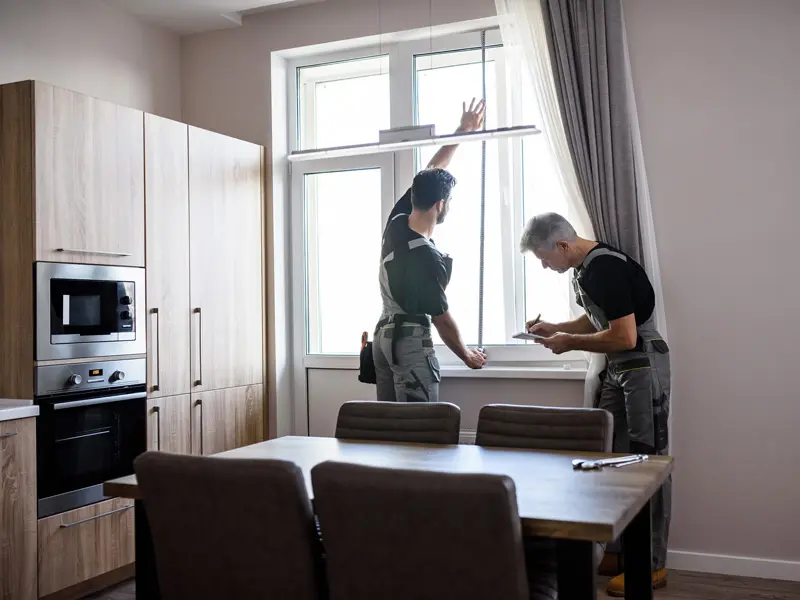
(545, 428)
(230, 528)
(398, 534)
(418, 422)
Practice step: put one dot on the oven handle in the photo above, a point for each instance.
(105, 514)
(103, 400)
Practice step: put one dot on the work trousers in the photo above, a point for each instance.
(414, 377)
(636, 391)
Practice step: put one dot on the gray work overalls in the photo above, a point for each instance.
(406, 367)
(636, 391)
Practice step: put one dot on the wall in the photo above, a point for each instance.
(92, 48)
(717, 88)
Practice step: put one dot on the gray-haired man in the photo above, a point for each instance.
(618, 300)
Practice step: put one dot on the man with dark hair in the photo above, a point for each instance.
(413, 279)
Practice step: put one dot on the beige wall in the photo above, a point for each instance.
(92, 48)
(718, 92)
(717, 89)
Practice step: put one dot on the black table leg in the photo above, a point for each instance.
(577, 567)
(146, 577)
(637, 551)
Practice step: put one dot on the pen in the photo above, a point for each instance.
(535, 321)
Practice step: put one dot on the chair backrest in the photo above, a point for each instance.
(545, 428)
(230, 528)
(419, 422)
(398, 534)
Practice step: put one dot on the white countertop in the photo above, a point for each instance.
(17, 409)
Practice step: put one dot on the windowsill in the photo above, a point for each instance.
(506, 372)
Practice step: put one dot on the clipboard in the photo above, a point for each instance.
(524, 335)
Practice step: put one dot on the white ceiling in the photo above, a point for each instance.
(194, 16)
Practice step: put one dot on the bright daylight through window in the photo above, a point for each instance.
(345, 201)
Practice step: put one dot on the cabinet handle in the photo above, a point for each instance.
(111, 512)
(157, 410)
(155, 314)
(8, 435)
(200, 404)
(100, 252)
(199, 380)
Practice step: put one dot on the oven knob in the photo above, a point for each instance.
(74, 379)
(117, 376)
(125, 315)
(126, 300)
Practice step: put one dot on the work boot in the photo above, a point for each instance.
(616, 587)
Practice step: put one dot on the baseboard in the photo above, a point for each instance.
(743, 566)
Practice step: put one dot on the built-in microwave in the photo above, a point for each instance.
(85, 311)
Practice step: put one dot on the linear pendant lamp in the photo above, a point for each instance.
(393, 146)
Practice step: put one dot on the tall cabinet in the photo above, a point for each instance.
(205, 289)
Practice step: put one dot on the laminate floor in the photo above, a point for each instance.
(683, 585)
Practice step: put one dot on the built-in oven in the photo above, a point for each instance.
(83, 311)
(91, 427)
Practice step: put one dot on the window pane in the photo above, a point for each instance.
(343, 242)
(546, 292)
(343, 103)
(442, 85)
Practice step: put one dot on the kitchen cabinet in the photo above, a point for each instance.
(226, 248)
(18, 509)
(227, 419)
(89, 179)
(84, 543)
(169, 424)
(167, 227)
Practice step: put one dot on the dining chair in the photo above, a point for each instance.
(397, 534)
(545, 428)
(416, 422)
(230, 528)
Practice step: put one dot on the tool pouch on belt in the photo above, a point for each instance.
(366, 370)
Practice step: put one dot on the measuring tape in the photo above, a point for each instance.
(483, 198)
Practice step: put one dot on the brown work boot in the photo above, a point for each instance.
(616, 587)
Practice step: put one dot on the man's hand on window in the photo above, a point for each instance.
(472, 117)
(475, 359)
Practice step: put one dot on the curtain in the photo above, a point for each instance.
(576, 53)
(588, 60)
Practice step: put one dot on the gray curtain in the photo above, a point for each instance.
(585, 38)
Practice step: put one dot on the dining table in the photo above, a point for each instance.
(576, 508)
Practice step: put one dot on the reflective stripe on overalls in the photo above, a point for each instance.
(636, 391)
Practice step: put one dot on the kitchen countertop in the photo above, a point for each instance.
(17, 409)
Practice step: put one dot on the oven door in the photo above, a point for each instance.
(84, 440)
(87, 310)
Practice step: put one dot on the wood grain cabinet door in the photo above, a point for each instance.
(89, 165)
(226, 419)
(168, 294)
(225, 188)
(18, 509)
(169, 424)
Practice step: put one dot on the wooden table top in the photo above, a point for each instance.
(554, 499)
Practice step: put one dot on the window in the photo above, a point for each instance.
(342, 102)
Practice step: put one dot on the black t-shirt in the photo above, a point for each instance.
(417, 276)
(618, 287)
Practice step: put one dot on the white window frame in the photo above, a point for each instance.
(402, 78)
